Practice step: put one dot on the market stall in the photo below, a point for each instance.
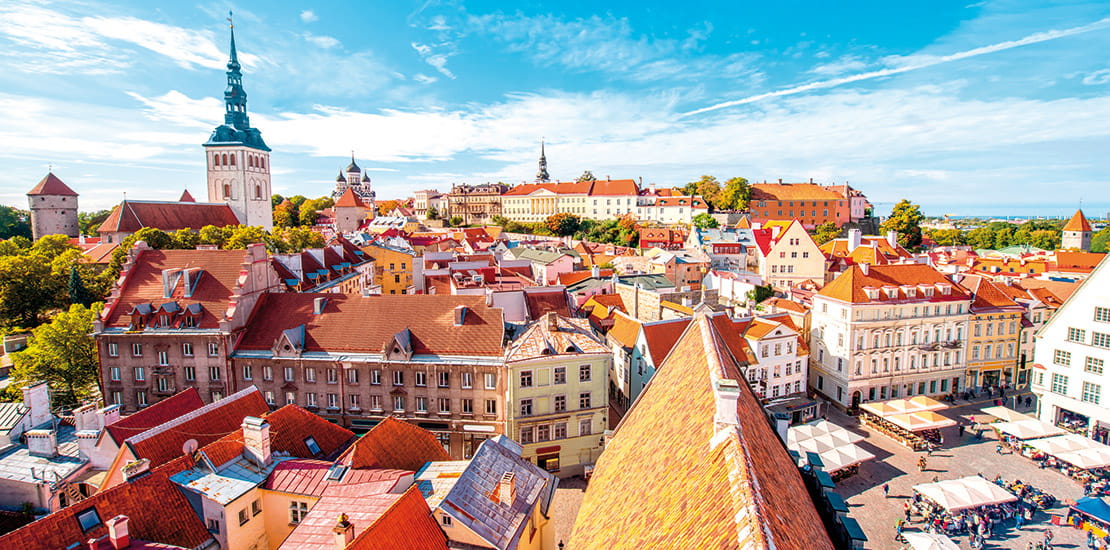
(1006, 415)
(911, 422)
(970, 505)
(1090, 514)
(955, 495)
(928, 541)
(1027, 429)
(834, 446)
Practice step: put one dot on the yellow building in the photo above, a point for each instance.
(558, 405)
(995, 332)
(393, 268)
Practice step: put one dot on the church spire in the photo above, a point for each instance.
(542, 176)
(235, 98)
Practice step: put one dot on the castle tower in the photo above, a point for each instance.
(238, 160)
(542, 176)
(1076, 235)
(53, 208)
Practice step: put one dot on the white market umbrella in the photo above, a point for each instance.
(969, 492)
(1006, 415)
(929, 541)
(1028, 429)
(1063, 444)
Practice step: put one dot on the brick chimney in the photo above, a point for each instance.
(551, 319)
(118, 535)
(109, 414)
(506, 489)
(42, 443)
(344, 532)
(36, 397)
(256, 440)
(85, 417)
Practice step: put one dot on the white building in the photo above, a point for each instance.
(779, 362)
(1071, 355)
(883, 332)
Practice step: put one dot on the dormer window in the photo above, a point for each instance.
(871, 292)
(945, 289)
(189, 321)
(163, 320)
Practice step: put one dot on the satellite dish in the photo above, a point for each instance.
(190, 447)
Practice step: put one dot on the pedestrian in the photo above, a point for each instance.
(907, 512)
(961, 430)
(1019, 519)
(886, 490)
(998, 448)
(898, 526)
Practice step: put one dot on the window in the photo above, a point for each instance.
(559, 430)
(355, 402)
(444, 379)
(1059, 384)
(1077, 335)
(136, 350)
(113, 349)
(243, 517)
(467, 380)
(398, 403)
(491, 380)
(214, 526)
(527, 435)
(267, 372)
(1091, 393)
(421, 378)
(1062, 358)
(190, 373)
(525, 407)
(1102, 314)
(560, 375)
(248, 372)
(560, 403)
(187, 349)
(256, 507)
(375, 376)
(421, 404)
(213, 349)
(88, 519)
(584, 373)
(468, 406)
(298, 510)
(444, 405)
(526, 379)
(140, 374)
(310, 399)
(1100, 339)
(398, 378)
(113, 374)
(585, 427)
(140, 398)
(269, 397)
(584, 400)
(216, 396)
(333, 401)
(288, 374)
(117, 398)
(214, 373)
(543, 432)
(447, 520)
(333, 376)
(491, 406)
(1093, 365)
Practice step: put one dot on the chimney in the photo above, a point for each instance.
(318, 305)
(344, 532)
(892, 238)
(775, 230)
(506, 489)
(855, 237)
(727, 392)
(135, 469)
(595, 271)
(81, 238)
(810, 180)
(551, 319)
(36, 397)
(109, 415)
(780, 180)
(460, 315)
(86, 443)
(865, 268)
(42, 443)
(118, 536)
(256, 440)
(85, 417)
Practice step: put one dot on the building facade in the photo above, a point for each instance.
(884, 332)
(809, 203)
(995, 335)
(1076, 234)
(476, 204)
(787, 255)
(394, 268)
(53, 208)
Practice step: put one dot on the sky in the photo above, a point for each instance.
(967, 108)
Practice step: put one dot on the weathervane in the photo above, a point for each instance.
(229, 21)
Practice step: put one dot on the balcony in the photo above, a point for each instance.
(953, 344)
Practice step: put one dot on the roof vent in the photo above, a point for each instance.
(727, 392)
(865, 268)
(318, 305)
(506, 489)
(460, 315)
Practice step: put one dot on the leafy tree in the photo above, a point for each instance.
(707, 187)
(88, 222)
(14, 246)
(586, 176)
(14, 223)
(705, 221)
(387, 206)
(825, 233)
(455, 221)
(78, 294)
(563, 224)
(244, 235)
(51, 246)
(948, 237)
(286, 216)
(1100, 240)
(759, 293)
(735, 195)
(300, 238)
(276, 200)
(211, 234)
(1046, 239)
(63, 353)
(26, 289)
(905, 218)
(186, 238)
(433, 214)
(980, 237)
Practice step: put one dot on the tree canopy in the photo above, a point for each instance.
(63, 353)
(563, 224)
(14, 223)
(905, 218)
(705, 221)
(735, 195)
(825, 233)
(586, 176)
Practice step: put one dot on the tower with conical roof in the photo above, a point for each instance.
(354, 178)
(542, 176)
(238, 160)
(53, 208)
(1076, 234)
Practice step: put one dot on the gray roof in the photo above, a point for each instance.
(498, 524)
(10, 415)
(228, 482)
(538, 256)
(588, 283)
(651, 281)
(17, 464)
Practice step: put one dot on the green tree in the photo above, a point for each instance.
(186, 238)
(825, 233)
(63, 353)
(562, 224)
(455, 221)
(433, 214)
(948, 237)
(1047, 239)
(14, 223)
(88, 222)
(14, 246)
(308, 209)
(244, 235)
(27, 289)
(276, 200)
(78, 294)
(980, 237)
(905, 218)
(211, 234)
(586, 176)
(707, 187)
(300, 238)
(759, 293)
(1100, 241)
(286, 216)
(735, 195)
(705, 221)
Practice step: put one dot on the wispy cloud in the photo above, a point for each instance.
(322, 41)
(911, 63)
(436, 55)
(846, 64)
(309, 16)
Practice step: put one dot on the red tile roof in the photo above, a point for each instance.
(793, 192)
(725, 483)
(309, 477)
(661, 336)
(51, 185)
(144, 283)
(394, 444)
(172, 407)
(987, 295)
(1078, 222)
(156, 509)
(408, 523)
(130, 216)
(342, 326)
(625, 331)
(1081, 262)
(570, 277)
(614, 187)
(849, 286)
(540, 303)
(350, 199)
(186, 197)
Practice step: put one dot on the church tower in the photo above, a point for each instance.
(542, 176)
(238, 160)
(53, 208)
(1076, 235)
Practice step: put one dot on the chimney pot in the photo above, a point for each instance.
(256, 440)
(42, 443)
(506, 489)
(780, 180)
(118, 535)
(855, 238)
(344, 532)
(36, 397)
(318, 305)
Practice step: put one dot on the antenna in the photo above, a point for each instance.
(189, 447)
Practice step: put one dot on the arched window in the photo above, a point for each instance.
(216, 159)
(250, 161)
(225, 159)
(233, 159)
(227, 191)
(257, 191)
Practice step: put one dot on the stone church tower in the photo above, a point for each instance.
(1076, 235)
(238, 160)
(53, 208)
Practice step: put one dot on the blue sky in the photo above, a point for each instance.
(966, 108)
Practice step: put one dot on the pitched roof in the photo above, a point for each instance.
(156, 510)
(306, 476)
(407, 521)
(567, 336)
(625, 331)
(540, 303)
(130, 216)
(186, 197)
(342, 327)
(350, 199)
(614, 187)
(570, 277)
(362, 505)
(1082, 262)
(793, 191)
(727, 482)
(1078, 222)
(51, 185)
(395, 444)
(661, 336)
(849, 286)
(180, 403)
(987, 296)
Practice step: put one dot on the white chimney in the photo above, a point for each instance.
(506, 489)
(85, 417)
(36, 397)
(344, 532)
(892, 238)
(727, 393)
(256, 440)
(118, 535)
(460, 315)
(318, 305)
(855, 237)
(595, 271)
(775, 230)
(109, 415)
(865, 268)
(86, 443)
(42, 443)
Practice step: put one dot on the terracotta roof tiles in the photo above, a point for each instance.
(350, 199)
(130, 216)
(408, 523)
(172, 407)
(661, 337)
(850, 285)
(1078, 222)
(793, 191)
(51, 185)
(395, 444)
(625, 331)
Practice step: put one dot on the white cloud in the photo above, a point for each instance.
(436, 55)
(846, 64)
(322, 41)
(424, 79)
(309, 16)
(1097, 78)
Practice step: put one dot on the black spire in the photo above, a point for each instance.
(542, 176)
(235, 98)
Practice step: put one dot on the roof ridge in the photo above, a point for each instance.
(193, 414)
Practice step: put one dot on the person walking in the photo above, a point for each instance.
(898, 526)
(886, 490)
(922, 464)
(906, 507)
(961, 428)
(1019, 519)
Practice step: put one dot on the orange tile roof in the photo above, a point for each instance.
(350, 199)
(661, 336)
(394, 444)
(51, 185)
(849, 285)
(342, 327)
(1083, 262)
(408, 524)
(614, 187)
(306, 476)
(570, 277)
(540, 303)
(625, 330)
(744, 223)
(178, 404)
(793, 192)
(1078, 222)
(788, 305)
(1062, 290)
(568, 336)
(714, 489)
(156, 510)
(987, 295)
